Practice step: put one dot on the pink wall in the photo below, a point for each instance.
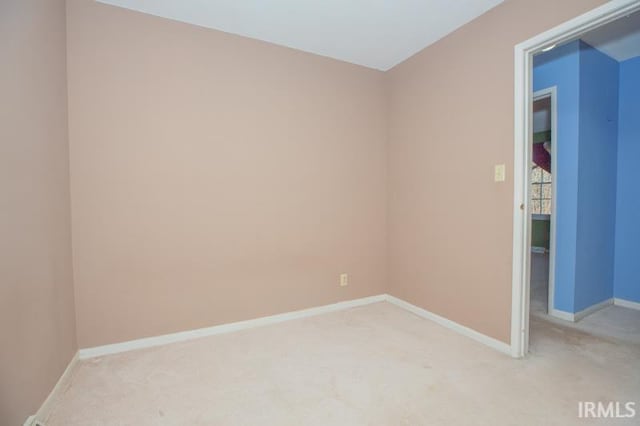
(37, 322)
(216, 178)
(451, 121)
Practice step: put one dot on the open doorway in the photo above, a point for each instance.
(598, 75)
(542, 193)
(589, 278)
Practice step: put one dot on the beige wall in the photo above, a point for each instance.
(37, 325)
(249, 192)
(216, 178)
(451, 120)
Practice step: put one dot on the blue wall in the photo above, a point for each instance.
(627, 264)
(587, 90)
(560, 67)
(598, 140)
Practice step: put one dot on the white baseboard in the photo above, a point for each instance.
(45, 409)
(273, 319)
(563, 315)
(181, 336)
(626, 304)
(458, 328)
(148, 342)
(593, 308)
(577, 316)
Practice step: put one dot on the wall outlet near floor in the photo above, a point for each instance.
(344, 280)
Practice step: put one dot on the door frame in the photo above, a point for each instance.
(552, 93)
(523, 98)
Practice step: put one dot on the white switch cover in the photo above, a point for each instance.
(499, 173)
(344, 280)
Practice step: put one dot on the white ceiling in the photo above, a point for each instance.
(619, 39)
(375, 33)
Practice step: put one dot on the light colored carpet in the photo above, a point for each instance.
(613, 322)
(373, 365)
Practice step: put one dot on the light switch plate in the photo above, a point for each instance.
(344, 280)
(499, 173)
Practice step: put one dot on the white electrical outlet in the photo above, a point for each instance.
(344, 280)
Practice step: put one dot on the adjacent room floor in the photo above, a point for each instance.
(615, 322)
(539, 283)
(373, 365)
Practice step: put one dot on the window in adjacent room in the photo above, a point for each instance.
(540, 191)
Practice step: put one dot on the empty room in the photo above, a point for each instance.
(284, 212)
